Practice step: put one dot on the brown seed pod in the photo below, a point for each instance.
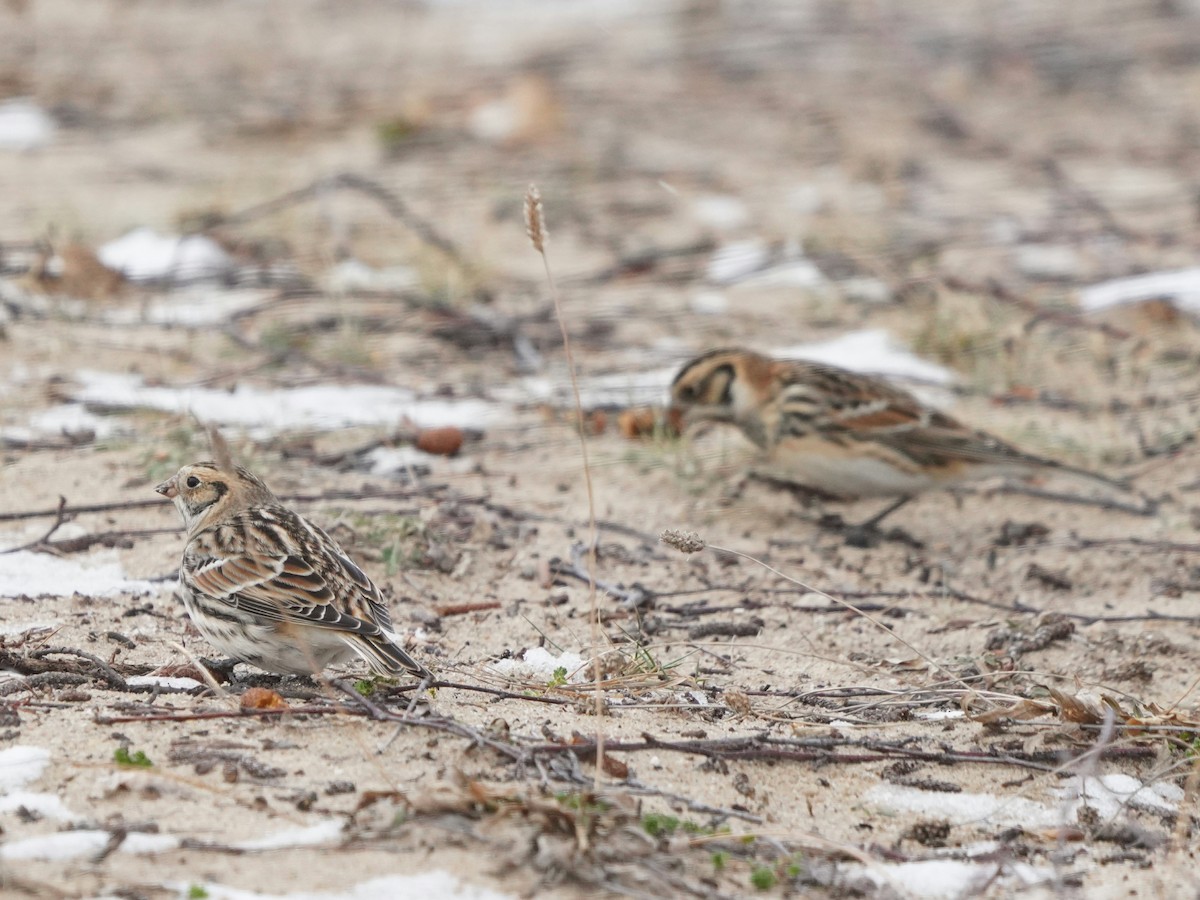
(445, 441)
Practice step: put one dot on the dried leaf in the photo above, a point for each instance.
(738, 702)
(1076, 709)
(1020, 711)
(615, 767)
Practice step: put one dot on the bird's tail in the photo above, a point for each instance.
(383, 653)
(1148, 506)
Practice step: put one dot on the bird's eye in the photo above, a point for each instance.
(193, 481)
(687, 393)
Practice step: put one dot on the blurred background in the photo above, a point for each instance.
(231, 194)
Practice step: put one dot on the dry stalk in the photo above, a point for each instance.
(535, 226)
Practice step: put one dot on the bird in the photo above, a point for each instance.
(844, 434)
(267, 587)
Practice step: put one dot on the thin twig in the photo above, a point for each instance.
(392, 203)
(59, 519)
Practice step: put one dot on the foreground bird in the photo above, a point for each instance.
(268, 587)
(844, 434)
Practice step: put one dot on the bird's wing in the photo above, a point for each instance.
(305, 578)
(849, 407)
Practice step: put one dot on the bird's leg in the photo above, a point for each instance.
(220, 669)
(865, 534)
(421, 688)
(874, 521)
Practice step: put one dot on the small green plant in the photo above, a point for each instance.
(197, 892)
(559, 678)
(719, 858)
(365, 687)
(659, 824)
(763, 878)
(137, 759)
(583, 802)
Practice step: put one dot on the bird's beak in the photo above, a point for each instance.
(167, 489)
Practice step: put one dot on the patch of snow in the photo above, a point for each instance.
(386, 460)
(495, 121)
(264, 412)
(56, 847)
(352, 275)
(1110, 794)
(964, 808)
(436, 885)
(20, 765)
(737, 260)
(314, 835)
(163, 681)
(801, 273)
(17, 629)
(720, 211)
(75, 844)
(98, 575)
(937, 715)
(142, 843)
(708, 303)
(949, 879)
(1181, 286)
(145, 255)
(391, 460)
(24, 125)
(69, 419)
(936, 879)
(46, 805)
(539, 664)
(867, 290)
(190, 308)
(1049, 262)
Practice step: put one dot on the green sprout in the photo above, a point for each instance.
(763, 878)
(137, 759)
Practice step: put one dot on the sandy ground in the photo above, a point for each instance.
(956, 175)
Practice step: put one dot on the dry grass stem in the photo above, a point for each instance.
(535, 226)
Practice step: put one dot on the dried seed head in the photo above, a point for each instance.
(535, 223)
(683, 541)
